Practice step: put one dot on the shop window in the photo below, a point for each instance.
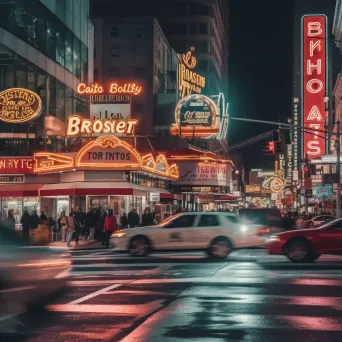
(114, 51)
(208, 221)
(139, 33)
(114, 32)
(203, 28)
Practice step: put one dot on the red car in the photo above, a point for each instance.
(307, 245)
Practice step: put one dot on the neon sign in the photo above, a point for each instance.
(16, 165)
(188, 81)
(195, 116)
(314, 74)
(105, 153)
(77, 125)
(113, 88)
(18, 105)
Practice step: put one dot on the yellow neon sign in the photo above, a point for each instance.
(105, 153)
(18, 105)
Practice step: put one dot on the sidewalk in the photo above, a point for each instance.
(82, 244)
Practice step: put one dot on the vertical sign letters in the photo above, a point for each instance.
(314, 83)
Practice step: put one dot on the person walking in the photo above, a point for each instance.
(110, 225)
(133, 218)
(10, 219)
(78, 226)
(124, 221)
(25, 223)
(43, 217)
(91, 222)
(62, 225)
(70, 228)
(34, 220)
(147, 218)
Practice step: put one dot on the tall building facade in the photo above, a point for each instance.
(135, 50)
(201, 24)
(44, 47)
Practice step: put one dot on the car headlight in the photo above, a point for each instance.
(119, 234)
(243, 228)
(273, 238)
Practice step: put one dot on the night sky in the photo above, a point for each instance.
(260, 70)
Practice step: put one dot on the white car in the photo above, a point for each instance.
(218, 233)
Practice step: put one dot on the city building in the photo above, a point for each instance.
(198, 24)
(136, 50)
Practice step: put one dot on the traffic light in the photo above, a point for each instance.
(269, 147)
(282, 135)
(279, 147)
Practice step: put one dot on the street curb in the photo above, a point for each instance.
(300, 266)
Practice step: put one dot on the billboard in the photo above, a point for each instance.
(314, 83)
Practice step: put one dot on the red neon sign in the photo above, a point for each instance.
(113, 88)
(314, 83)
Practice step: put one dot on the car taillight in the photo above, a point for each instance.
(263, 231)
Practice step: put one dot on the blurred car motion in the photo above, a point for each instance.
(217, 233)
(318, 221)
(307, 245)
(29, 274)
(269, 219)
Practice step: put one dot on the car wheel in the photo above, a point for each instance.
(220, 248)
(139, 246)
(298, 250)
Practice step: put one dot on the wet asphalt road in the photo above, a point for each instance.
(186, 297)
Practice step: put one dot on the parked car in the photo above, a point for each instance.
(215, 232)
(317, 221)
(307, 245)
(28, 274)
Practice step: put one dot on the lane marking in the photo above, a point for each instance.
(121, 309)
(94, 294)
(152, 264)
(16, 289)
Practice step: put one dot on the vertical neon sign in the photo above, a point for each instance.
(314, 82)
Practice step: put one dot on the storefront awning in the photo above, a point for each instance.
(225, 198)
(96, 189)
(20, 190)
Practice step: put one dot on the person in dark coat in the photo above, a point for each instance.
(43, 217)
(147, 218)
(25, 222)
(91, 223)
(133, 218)
(124, 221)
(78, 226)
(34, 220)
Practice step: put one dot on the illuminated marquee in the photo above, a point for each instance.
(314, 74)
(16, 165)
(188, 81)
(18, 105)
(113, 88)
(105, 153)
(78, 126)
(195, 116)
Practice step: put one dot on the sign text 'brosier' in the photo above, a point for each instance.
(112, 88)
(78, 125)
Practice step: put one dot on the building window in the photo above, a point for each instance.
(203, 10)
(96, 75)
(193, 9)
(139, 53)
(114, 52)
(180, 46)
(179, 28)
(114, 72)
(139, 33)
(203, 47)
(203, 28)
(203, 65)
(114, 32)
(193, 28)
(139, 72)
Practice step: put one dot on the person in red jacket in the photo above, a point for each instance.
(109, 227)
